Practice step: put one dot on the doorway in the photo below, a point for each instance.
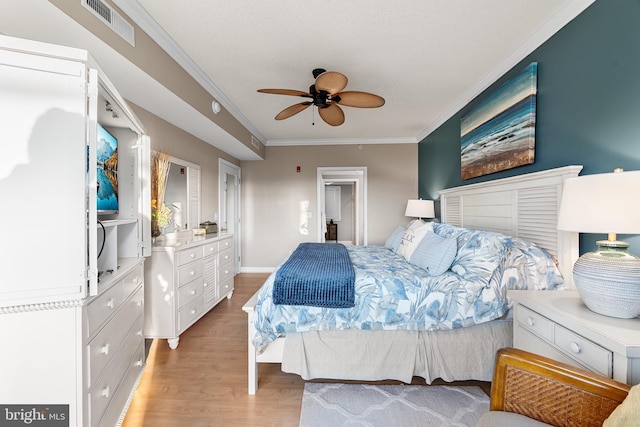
(229, 205)
(355, 179)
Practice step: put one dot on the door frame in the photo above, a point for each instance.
(356, 175)
(227, 168)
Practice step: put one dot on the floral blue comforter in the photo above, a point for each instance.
(391, 293)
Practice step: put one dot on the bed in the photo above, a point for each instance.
(503, 230)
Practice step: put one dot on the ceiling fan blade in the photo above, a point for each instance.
(360, 99)
(332, 114)
(291, 92)
(331, 81)
(294, 109)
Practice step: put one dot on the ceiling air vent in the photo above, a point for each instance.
(113, 19)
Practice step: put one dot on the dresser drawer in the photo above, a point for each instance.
(189, 272)
(211, 249)
(104, 306)
(189, 314)
(225, 244)
(102, 349)
(189, 292)
(584, 351)
(187, 255)
(226, 286)
(534, 322)
(225, 256)
(106, 386)
(225, 272)
(132, 280)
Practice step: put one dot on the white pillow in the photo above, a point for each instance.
(412, 237)
(435, 254)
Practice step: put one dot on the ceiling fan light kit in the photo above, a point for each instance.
(326, 94)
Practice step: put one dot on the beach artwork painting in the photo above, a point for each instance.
(499, 132)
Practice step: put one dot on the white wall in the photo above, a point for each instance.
(276, 198)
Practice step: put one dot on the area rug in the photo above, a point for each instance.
(332, 404)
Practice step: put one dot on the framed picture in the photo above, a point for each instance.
(499, 132)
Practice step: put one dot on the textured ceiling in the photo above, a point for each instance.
(426, 58)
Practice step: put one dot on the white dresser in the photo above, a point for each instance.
(558, 325)
(114, 344)
(71, 305)
(186, 277)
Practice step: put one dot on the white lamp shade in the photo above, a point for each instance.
(420, 209)
(601, 203)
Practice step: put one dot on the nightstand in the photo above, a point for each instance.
(558, 325)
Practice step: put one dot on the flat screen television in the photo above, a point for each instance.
(107, 174)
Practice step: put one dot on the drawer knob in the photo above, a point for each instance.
(138, 363)
(193, 311)
(530, 321)
(226, 257)
(105, 392)
(193, 291)
(575, 347)
(226, 272)
(111, 303)
(192, 255)
(205, 284)
(105, 349)
(193, 273)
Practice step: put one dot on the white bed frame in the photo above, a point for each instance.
(524, 206)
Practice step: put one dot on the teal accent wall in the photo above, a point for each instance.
(588, 106)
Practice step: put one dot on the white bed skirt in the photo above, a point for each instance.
(452, 355)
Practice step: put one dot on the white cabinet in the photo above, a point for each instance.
(185, 278)
(558, 325)
(71, 300)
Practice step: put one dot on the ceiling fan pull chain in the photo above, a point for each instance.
(313, 116)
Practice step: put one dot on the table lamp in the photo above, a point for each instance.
(420, 209)
(608, 279)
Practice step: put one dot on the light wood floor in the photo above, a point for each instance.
(204, 381)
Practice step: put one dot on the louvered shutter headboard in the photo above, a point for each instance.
(524, 206)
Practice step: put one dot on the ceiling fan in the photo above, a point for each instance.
(326, 94)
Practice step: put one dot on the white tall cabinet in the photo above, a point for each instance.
(71, 290)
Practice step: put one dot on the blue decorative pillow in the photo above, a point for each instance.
(434, 253)
(479, 252)
(527, 266)
(395, 238)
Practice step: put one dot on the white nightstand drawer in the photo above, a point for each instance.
(188, 293)
(189, 272)
(535, 323)
(188, 255)
(584, 351)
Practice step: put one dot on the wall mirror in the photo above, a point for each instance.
(182, 195)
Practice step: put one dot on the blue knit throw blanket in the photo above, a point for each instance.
(316, 274)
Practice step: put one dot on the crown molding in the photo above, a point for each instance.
(338, 141)
(559, 20)
(140, 16)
